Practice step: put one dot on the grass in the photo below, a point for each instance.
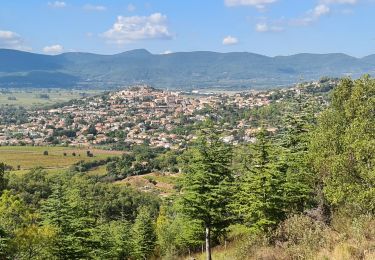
(158, 183)
(31, 97)
(98, 171)
(164, 178)
(28, 157)
(299, 237)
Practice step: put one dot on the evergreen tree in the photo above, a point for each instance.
(176, 233)
(259, 200)
(70, 228)
(112, 241)
(4, 244)
(207, 184)
(143, 235)
(298, 183)
(3, 179)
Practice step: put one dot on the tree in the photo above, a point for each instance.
(177, 234)
(12, 217)
(298, 185)
(259, 201)
(33, 241)
(113, 240)
(32, 187)
(4, 244)
(342, 149)
(3, 179)
(207, 183)
(72, 229)
(91, 130)
(143, 235)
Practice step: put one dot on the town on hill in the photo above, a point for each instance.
(141, 114)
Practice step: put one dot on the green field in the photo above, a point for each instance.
(28, 157)
(32, 97)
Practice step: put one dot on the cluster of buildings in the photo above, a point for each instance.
(135, 115)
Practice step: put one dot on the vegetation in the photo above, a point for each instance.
(30, 97)
(304, 193)
(176, 70)
(28, 157)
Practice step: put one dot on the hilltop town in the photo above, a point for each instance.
(142, 114)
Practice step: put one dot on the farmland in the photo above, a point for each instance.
(40, 97)
(28, 157)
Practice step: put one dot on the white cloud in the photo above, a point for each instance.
(256, 3)
(131, 8)
(134, 28)
(12, 40)
(312, 15)
(53, 49)
(167, 52)
(57, 4)
(339, 1)
(89, 7)
(323, 8)
(230, 40)
(320, 10)
(264, 27)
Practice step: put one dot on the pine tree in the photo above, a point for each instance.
(207, 184)
(112, 241)
(70, 227)
(143, 235)
(176, 233)
(259, 200)
(4, 244)
(3, 179)
(298, 177)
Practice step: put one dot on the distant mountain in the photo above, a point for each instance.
(182, 70)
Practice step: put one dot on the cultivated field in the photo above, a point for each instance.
(41, 97)
(28, 157)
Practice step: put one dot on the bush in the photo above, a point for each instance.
(300, 229)
(45, 153)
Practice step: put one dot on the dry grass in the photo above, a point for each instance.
(162, 184)
(29, 98)
(299, 237)
(28, 157)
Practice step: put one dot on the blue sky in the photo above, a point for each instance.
(270, 27)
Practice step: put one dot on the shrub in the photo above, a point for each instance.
(302, 237)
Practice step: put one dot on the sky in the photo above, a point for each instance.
(268, 27)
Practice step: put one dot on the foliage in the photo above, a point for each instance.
(342, 149)
(207, 183)
(269, 193)
(143, 235)
(259, 200)
(176, 233)
(3, 179)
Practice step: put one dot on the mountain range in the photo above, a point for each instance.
(180, 70)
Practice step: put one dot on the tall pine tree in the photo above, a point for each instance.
(259, 200)
(3, 179)
(207, 183)
(143, 235)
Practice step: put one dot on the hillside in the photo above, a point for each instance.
(182, 70)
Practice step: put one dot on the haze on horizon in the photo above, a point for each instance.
(268, 27)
